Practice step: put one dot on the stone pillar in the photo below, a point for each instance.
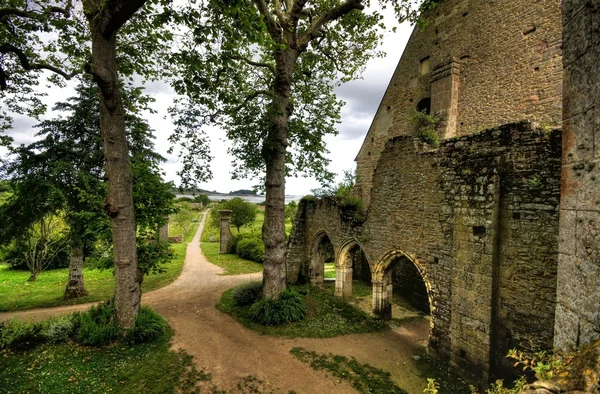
(445, 80)
(577, 319)
(382, 303)
(225, 231)
(163, 232)
(343, 282)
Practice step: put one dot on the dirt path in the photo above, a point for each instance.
(230, 352)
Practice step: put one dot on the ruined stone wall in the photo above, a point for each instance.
(578, 310)
(479, 218)
(503, 64)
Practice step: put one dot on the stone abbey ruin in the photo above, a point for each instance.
(500, 224)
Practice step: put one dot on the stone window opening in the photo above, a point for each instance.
(424, 105)
(425, 66)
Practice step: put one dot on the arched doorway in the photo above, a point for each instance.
(352, 264)
(399, 275)
(322, 252)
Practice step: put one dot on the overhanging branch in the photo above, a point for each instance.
(335, 13)
(253, 63)
(10, 11)
(27, 65)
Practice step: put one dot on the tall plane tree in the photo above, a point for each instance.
(265, 72)
(25, 53)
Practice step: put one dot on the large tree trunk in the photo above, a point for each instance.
(119, 205)
(274, 154)
(75, 287)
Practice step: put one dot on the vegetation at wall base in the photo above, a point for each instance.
(47, 290)
(434, 368)
(326, 316)
(290, 307)
(363, 377)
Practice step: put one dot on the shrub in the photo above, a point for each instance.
(149, 326)
(59, 329)
(237, 238)
(251, 249)
(427, 126)
(289, 307)
(98, 325)
(17, 334)
(247, 294)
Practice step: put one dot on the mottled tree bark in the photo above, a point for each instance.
(274, 153)
(105, 19)
(75, 286)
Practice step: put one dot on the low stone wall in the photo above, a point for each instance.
(478, 217)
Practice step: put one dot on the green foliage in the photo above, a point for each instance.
(343, 193)
(441, 374)
(426, 126)
(149, 326)
(16, 334)
(247, 294)
(243, 213)
(326, 316)
(290, 211)
(251, 248)
(289, 307)
(545, 365)
(184, 218)
(98, 326)
(60, 329)
(150, 368)
(363, 377)
(153, 256)
(202, 198)
(433, 387)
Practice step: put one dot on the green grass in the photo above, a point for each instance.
(327, 316)
(330, 270)
(256, 227)
(18, 294)
(69, 368)
(363, 377)
(231, 263)
(432, 367)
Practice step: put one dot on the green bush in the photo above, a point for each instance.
(98, 325)
(149, 326)
(17, 334)
(247, 294)
(426, 127)
(59, 329)
(289, 307)
(251, 249)
(237, 238)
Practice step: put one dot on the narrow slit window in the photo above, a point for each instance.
(425, 66)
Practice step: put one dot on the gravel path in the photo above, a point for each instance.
(230, 352)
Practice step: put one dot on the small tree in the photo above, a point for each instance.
(43, 244)
(290, 211)
(243, 213)
(184, 218)
(202, 198)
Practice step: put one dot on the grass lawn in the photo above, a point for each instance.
(18, 294)
(327, 316)
(71, 368)
(231, 263)
(330, 270)
(175, 230)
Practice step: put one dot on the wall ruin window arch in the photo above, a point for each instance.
(322, 252)
(352, 263)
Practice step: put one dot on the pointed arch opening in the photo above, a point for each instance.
(322, 253)
(352, 266)
(400, 281)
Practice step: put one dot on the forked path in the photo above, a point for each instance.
(230, 352)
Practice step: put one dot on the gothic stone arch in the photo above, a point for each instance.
(344, 267)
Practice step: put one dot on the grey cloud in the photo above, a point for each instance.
(23, 130)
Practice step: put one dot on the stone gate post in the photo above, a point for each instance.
(225, 231)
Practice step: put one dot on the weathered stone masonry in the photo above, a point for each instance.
(478, 217)
(481, 64)
(578, 288)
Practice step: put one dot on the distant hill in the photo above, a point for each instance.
(243, 192)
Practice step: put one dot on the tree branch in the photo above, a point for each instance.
(253, 63)
(335, 13)
(279, 11)
(272, 26)
(9, 48)
(9, 11)
(296, 11)
(112, 15)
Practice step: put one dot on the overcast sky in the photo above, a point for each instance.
(362, 99)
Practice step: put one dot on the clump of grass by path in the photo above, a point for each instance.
(363, 377)
(16, 293)
(326, 316)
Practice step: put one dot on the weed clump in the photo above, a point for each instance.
(247, 294)
(289, 307)
(149, 326)
(98, 326)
